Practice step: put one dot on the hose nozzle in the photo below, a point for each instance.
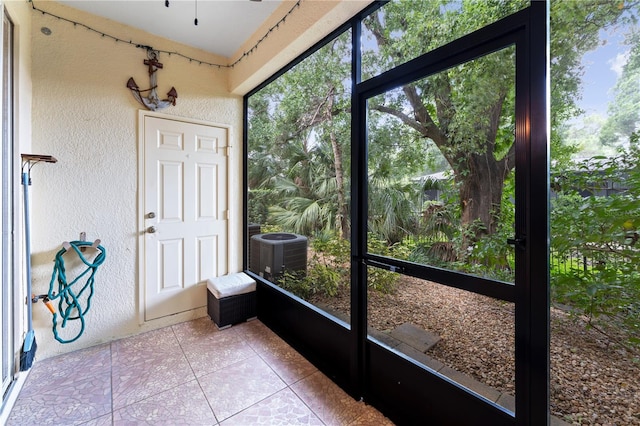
(45, 300)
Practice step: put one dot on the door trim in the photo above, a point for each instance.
(9, 272)
(231, 221)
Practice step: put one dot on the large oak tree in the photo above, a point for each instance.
(467, 111)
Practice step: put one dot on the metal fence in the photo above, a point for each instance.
(579, 260)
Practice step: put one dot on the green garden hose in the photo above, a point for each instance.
(69, 307)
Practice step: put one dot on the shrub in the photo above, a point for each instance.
(603, 230)
(327, 270)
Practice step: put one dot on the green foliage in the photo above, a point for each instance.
(395, 150)
(575, 30)
(298, 140)
(258, 206)
(604, 230)
(267, 228)
(379, 279)
(462, 119)
(467, 111)
(439, 222)
(329, 266)
(296, 283)
(411, 28)
(575, 27)
(624, 114)
(489, 256)
(393, 213)
(329, 272)
(585, 136)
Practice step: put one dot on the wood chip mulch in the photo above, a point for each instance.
(593, 381)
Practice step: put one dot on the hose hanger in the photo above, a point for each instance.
(30, 160)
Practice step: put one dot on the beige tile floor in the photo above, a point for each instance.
(187, 374)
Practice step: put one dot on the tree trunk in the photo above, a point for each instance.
(343, 214)
(481, 196)
(479, 175)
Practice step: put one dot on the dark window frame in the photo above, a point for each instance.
(527, 28)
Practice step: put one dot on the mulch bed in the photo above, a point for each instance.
(593, 381)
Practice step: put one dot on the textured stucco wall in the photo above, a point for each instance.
(85, 116)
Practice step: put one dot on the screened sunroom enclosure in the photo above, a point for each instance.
(371, 161)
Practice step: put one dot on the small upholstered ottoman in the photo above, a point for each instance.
(231, 299)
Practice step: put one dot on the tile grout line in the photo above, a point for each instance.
(195, 376)
(289, 386)
(149, 396)
(286, 385)
(307, 405)
(244, 339)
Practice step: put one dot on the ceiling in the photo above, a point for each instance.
(223, 25)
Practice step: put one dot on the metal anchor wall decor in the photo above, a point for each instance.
(152, 102)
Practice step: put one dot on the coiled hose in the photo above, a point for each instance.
(68, 293)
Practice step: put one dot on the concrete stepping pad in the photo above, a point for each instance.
(416, 337)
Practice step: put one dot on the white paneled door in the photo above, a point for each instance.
(185, 213)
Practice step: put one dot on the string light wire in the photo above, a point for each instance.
(191, 59)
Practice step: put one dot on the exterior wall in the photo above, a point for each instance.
(84, 115)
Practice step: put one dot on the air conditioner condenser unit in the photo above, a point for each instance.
(276, 252)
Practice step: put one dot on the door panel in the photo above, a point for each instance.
(455, 219)
(185, 206)
(429, 245)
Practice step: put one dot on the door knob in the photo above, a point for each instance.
(151, 229)
(151, 215)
